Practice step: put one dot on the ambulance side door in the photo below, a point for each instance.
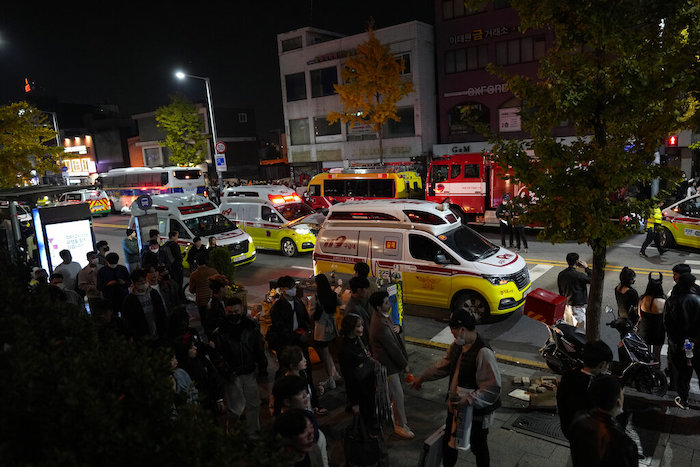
(426, 281)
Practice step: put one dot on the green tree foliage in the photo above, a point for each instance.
(184, 132)
(76, 394)
(372, 85)
(623, 74)
(24, 132)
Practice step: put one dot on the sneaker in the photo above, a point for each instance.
(681, 403)
(404, 432)
(641, 253)
(525, 250)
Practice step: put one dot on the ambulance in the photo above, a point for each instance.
(195, 216)
(274, 216)
(441, 262)
(97, 199)
(681, 223)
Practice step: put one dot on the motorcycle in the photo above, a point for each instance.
(636, 366)
(564, 347)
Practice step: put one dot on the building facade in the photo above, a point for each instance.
(311, 61)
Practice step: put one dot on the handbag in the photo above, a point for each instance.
(325, 328)
(361, 448)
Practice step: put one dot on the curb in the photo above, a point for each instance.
(500, 357)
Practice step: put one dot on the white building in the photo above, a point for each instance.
(311, 61)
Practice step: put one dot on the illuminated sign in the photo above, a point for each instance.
(481, 34)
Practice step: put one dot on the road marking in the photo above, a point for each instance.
(96, 224)
(443, 337)
(538, 271)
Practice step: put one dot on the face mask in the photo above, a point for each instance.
(292, 292)
(111, 266)
(61, 286)
(460, 340)
(154, 251)
(93, 262)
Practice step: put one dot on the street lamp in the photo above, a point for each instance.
(182, 75)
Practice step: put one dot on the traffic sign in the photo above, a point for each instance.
(220, 148)
(220, 160)
(144, 202)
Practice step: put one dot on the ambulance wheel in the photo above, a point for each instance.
(288, 247)
(473, 303)
(667, 240)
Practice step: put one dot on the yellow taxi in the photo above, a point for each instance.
(681, 223)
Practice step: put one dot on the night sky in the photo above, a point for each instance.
(125, 53)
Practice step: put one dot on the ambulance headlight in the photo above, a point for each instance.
(302, 230)
(495, 280)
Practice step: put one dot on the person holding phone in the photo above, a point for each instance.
(573, 284)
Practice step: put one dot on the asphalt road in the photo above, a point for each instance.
(517, 336)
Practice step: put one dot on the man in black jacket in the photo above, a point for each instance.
(572, 393)
(143, 310)
(596, 437)
(573, 285)
(239, 342)
(682, 322)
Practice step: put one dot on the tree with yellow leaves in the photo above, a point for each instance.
(372, 86)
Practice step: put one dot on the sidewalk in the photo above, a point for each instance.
(666, 435)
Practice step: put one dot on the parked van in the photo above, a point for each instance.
(274, 216)
(442, 262)
(97, 199)
(196, 216)
(681, 223)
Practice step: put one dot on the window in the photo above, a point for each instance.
(522, 50)
(455, 9)
(455, 170)
(177, 227)
(406, 69)
(471, 58)
(296, 86)
(471, 171)
(322, 82)
(381, 188)
(426, 249)
(242, 117)
(404, 127)
(323, 128)
(438, 173)
(299, 131)
(187, 174)
(334, 188)
(462, 118)
(314, 190)
(291, 44)
(152, 157)
(268, 215)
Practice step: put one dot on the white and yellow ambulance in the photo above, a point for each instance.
(97, 199)
(441, 262)
(274, 216)
(196, 216)
(681, 223)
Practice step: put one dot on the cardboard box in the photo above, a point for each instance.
(544, 306)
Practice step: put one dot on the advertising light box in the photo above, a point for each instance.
(63, 228)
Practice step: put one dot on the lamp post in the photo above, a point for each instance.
(182, 75)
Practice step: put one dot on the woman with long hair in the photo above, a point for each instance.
(323, 310)
(651, 323)
(358, 368)
(626, 296)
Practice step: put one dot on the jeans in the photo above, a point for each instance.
(242, 395)
(396, 394)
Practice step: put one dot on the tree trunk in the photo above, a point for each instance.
(380, 137)
(595, 296)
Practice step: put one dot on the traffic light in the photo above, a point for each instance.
(672, 141)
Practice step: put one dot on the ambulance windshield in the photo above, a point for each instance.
(293, 211)
(205, 226)
(469, 244)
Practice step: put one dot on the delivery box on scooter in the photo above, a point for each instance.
(544, 306)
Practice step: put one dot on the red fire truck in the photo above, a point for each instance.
(472, 182)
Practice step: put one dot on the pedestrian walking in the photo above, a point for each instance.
(573, 285)
(626, 296)
(682, 322)
(130, 247)
(572, 393)
(389, 350)
(651, 309)
(596, 436)
(653, 231)
(474, 379)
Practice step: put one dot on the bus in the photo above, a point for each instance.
(472, 182)
(339, 185)
(123, 186)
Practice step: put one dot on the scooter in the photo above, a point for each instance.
(563, 350)
(637, 366)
